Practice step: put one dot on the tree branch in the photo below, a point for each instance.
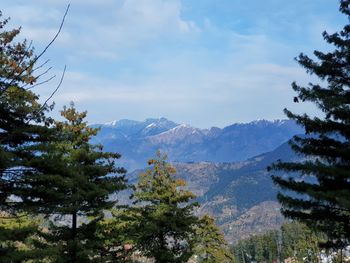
(44, 50)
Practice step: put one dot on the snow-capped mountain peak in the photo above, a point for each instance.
(111, 123)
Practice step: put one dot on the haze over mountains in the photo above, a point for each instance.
(138, 141)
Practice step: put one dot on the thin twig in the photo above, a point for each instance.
(53, 93)
(36, 78)
(43, 64)
(46, 48)
(43, 82)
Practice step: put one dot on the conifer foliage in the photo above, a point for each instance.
(322, 197)
(75, 180)
(166, 223)
(23, 120)
(210, 244)
(20, 238)
(294, 242)
(23, 129)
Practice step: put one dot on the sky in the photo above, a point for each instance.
(202, 62)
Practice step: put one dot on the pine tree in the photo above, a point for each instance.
(300, 242)
(73, 179)
(22, 123)
(166, 223)
(297, 241)
(210, 244)
(322, 192)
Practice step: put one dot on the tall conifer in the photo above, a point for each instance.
(23, 127)
(322, 191)
(210, 244)
(166, 223)
(73, 179)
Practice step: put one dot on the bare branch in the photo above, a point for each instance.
(36, 78)
(53, 93)
(43, 64)
(43, 82)
(45, 49)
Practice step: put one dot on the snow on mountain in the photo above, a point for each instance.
(111, 123)
(178, 133)
(150, 126)
(138, 141)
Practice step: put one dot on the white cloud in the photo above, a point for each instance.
(152, 16)
(101, 28)
(141, 58)
(134, 24)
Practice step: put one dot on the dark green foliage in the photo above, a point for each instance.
(165, 220)
(115, 236)
(322, 193)
(258, 248)
(73, 179)
(22, 121)
(47, 167)
(293, 240)
(23, 128)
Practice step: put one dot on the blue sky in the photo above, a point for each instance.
(202, 62)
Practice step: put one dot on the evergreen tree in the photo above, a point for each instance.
(293, 240)
(22, 120)
(23, 127)
(73, 179)
(166, 223)
(210, 244)
(322, 192)
(300, 242)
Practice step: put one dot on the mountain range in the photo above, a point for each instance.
(138, 141)
(224, 167)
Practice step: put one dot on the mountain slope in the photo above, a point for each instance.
(241, 195)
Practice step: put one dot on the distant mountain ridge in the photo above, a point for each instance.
(147, 127)
(138, 141)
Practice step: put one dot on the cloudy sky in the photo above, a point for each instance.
(202, 62)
